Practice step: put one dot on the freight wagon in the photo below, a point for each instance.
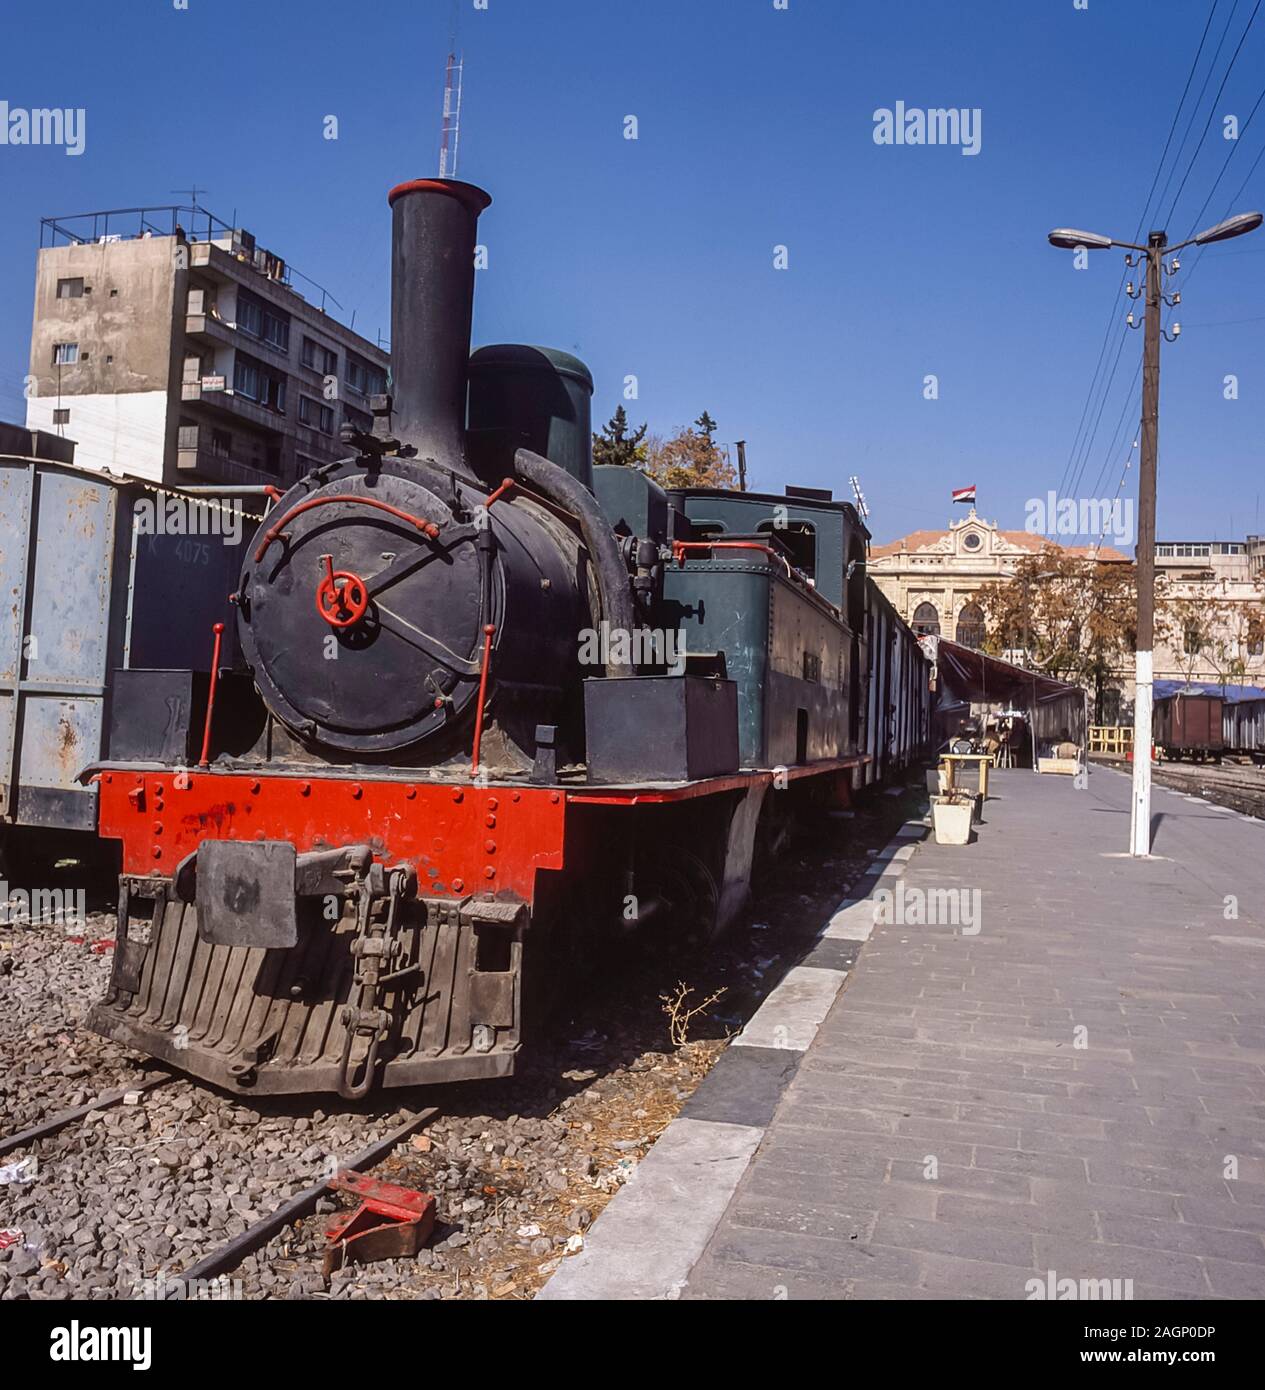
(102, 582)
(1189, 726)
(1243, 729)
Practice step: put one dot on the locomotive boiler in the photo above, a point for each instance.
(493, 705)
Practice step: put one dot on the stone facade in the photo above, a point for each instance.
(935, 577)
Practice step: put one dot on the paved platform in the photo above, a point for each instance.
(1068, 1084)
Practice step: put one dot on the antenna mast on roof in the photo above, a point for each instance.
(862, 507)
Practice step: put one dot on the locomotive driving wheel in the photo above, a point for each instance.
(689, 891)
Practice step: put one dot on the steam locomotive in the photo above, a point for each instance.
(495, 705)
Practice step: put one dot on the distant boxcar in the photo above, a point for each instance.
(1243, 729)
(1189, 726)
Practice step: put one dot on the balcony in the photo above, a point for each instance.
(219, 396)
(211, 328)
(198, 458)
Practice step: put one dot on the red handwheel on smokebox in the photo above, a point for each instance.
(341, 596)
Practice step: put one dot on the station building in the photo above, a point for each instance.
(935, 579)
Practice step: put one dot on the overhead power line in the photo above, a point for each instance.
(1078, 440)
(1213, 105)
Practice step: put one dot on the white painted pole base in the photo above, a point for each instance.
(1143, 704)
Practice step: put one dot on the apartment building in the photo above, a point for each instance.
(170, 346)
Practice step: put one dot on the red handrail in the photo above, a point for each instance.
(427, 528)
(680, 547)
(205, 759)
(489, 631)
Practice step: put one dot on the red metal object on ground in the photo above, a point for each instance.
(390, 1223)
(205, 759)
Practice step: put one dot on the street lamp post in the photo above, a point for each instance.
(1154, 252)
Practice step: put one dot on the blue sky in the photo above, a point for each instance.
(655, 257)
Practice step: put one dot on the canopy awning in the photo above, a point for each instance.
(1054, 708)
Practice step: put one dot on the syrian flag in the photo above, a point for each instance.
(964, 494)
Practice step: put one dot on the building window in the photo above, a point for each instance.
(364, 379)
(1192, 640)
(1256, 648)
(972, 541)
(221, 443)
(970, 629)
(261, 321)
(318, 416)
(62, 416)
(926, 622)
(319, 358)
(71, 288)
(254, 381)
(361, 419)
(65, 354)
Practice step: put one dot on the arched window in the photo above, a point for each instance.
(926, 620)
(971, 626)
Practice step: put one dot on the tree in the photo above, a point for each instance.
(706, 425)
(689, 459)
(1071, 617)
(615, 445)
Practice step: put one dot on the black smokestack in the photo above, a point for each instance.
(432, 297)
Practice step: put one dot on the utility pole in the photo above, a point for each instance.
(1144, 669)
(1143, 704)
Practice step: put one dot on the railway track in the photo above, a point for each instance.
(1238, 786)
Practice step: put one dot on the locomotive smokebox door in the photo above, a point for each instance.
(246, 893)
